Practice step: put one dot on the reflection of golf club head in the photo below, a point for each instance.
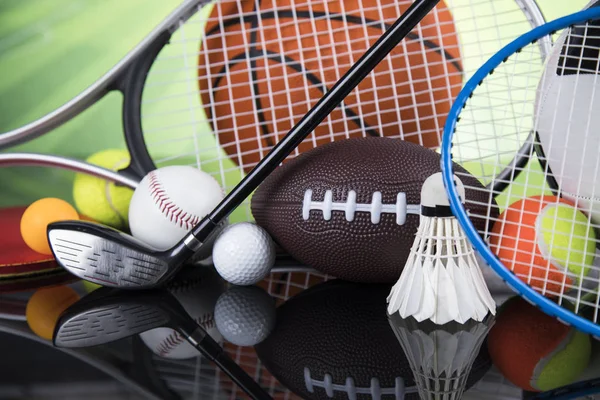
(440, 356)
(106, 315)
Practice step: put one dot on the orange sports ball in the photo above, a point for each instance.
(45, 307)
(516, 240)
(259, 77)
(534, 351)
(36, 218)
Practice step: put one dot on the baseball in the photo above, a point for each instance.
(198, 291)
(169, 202)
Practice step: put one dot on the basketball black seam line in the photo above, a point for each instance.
(296, 66)
(334, 17)
(261, 117)
(361, 124)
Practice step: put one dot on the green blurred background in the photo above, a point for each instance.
(50, 50)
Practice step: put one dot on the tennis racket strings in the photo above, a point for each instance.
(239, 74)
(547, 233)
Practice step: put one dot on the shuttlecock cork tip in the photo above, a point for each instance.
(434, 199)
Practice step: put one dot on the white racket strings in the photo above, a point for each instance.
(553, 107)
(238, 75)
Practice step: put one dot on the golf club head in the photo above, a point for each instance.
(108, 257)
(107, 315)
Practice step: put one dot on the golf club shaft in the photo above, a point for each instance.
(206, 345)
(373, 56)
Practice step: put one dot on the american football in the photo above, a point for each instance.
(334, 341)
(351, 208)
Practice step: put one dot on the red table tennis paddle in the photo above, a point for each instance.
(21, 268)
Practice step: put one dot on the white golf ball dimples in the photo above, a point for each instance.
(243, 254)
(245, 315)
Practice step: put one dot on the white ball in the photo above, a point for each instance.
(567, 121)
(169, 202)
(245, 315)
(198, 293)
(243, 253)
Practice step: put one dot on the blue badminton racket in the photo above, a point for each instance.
(530, 128)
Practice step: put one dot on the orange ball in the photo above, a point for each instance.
(36, 218)
(45, 307)
(520, 238)
(534, 351)
(280, 66)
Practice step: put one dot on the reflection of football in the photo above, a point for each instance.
(351, 208)
(334, 339)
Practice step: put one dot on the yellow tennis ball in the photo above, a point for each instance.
(566, 238)
(546, 242)
(99, 199)
(90, 287)
(535, 351)
(45, 307)
(568, 360)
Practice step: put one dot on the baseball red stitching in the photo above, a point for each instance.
(175, 339)
(168, 206)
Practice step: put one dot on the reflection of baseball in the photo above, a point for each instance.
(197, 292)
(168, 203)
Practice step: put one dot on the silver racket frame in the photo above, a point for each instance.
(103, 85)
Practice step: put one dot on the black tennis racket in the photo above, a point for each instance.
(217, 85)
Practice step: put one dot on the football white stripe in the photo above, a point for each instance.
(375, 389)
(350, 207)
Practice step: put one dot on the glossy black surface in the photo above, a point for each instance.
(319, 338)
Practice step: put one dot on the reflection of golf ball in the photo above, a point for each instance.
(245, 316)
(243, 253)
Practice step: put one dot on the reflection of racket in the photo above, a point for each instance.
(191, 97)
(580, 390)
(20, 267)
(194, 379)
(127, 362)
(509, 97)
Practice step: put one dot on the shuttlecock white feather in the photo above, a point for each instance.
(442, 280)
(441, 357)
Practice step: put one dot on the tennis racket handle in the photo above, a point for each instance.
(206, 345)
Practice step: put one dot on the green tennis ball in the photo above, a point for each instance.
(534, 351)
(101, 200)
(566, 237)
(90, 287)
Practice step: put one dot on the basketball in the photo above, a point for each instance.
(261, 69)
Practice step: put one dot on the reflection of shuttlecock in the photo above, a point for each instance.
(440, 357)
(441, 280)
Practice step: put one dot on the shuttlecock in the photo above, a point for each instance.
(442, 280)
(441, 357)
